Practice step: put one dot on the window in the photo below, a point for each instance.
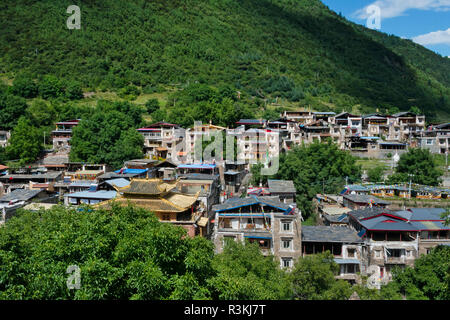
(408, 253)
(166, 217)
(377, 254)
(286, 244)
(351, 253)
(394, 253)
(286, 226)
(429, 141)
(351, 268)
(286, 262)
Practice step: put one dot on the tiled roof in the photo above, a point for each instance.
(281, 186)
(358, 198)
(329, 234)
(19, 194)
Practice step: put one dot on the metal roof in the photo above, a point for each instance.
(383, 223)
(119, 182)
(104, 195)
(234, 203)
(346, 261)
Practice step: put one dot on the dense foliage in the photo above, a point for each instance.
(299, 51)
(108, 135)
(26, 142)
(126, 253)
(200, 102)
(317, 168)
(428, 280)
(123, 254)
(419, 166)
(313, 279)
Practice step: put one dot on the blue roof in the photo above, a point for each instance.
(346, 261)
(105, 195)
(324, 113)
(388, 224)
(197, 166)
(132, 171)
(119, 182)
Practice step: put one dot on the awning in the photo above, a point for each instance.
(346, 261)
(161, 149)
(258, 237)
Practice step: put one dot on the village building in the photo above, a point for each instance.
(62, 134)
(342, 242)
(274, 225)
(430, 225)
(436, 138)
(14, 181)
(160, 139)
(4, 138)
(358, 201)
(88, 197)
(17, 199)
(390, 241)
(168, 204)
(206, 186)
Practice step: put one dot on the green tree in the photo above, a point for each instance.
(428, 280)
(50, 87)
(41, 113)
(122, 253)
(313, 278)
(257, 177)
(152, 105)
(242, 272)
(74, 90)
(375, 174)
(24, 86)
(25, 143)
(317, 168)
(421, 164)
(108, 135)
(11, 109)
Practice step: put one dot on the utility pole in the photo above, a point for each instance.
(410, 180)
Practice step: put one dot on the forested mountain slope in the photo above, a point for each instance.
(297, 50)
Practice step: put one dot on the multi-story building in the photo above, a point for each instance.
(299, 116)
(342, 242)
(390, 241)
(4, 137)
(256, 145)
(274, 225)
(168, 204)
(197, 137)
(435, 138)
(62, 134)
(160, 139)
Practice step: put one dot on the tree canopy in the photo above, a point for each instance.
(419, 165)
(108, 135)
(316, 168)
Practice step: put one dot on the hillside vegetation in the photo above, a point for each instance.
(298, 51)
